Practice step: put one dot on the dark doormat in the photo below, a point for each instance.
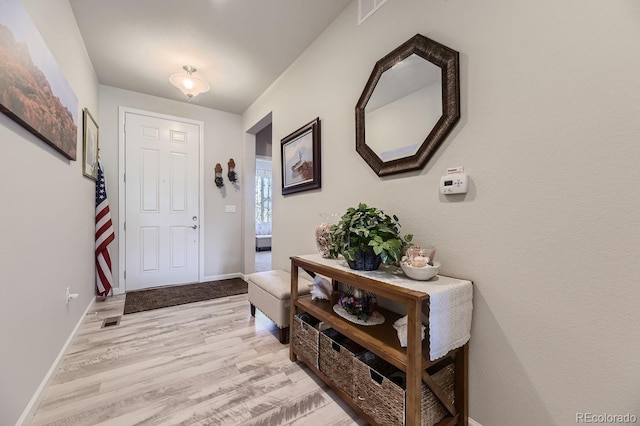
(146, 300)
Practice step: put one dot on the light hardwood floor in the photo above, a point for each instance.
(206, 363)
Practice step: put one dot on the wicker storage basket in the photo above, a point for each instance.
(336, 358)
(379, 389)
(305, 338)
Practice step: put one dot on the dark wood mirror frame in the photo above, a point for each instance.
(448, 61)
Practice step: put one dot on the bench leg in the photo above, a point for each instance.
(253, 309)
(283, 335)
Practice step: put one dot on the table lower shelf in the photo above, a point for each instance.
(381, 339)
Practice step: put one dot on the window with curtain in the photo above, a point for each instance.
(263, 197)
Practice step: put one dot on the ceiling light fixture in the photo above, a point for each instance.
(189, 84)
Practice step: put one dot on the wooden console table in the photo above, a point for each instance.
(382, 339)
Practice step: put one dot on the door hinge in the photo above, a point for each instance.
(124, 177)
(125, 275)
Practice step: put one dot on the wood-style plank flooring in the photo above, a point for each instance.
(206, 363)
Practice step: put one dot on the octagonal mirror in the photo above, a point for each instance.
(409, 105)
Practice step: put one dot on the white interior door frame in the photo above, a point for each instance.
(250, 193)
(122, 111)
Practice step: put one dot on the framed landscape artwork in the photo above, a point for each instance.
(300, 153)
(33, 90)
(90, 145)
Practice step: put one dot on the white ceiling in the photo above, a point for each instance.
(238, 46)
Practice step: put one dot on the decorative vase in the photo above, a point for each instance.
(365, 261)
(322, 233)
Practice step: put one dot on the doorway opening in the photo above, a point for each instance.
(263, 201)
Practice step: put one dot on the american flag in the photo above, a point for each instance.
(104, 236)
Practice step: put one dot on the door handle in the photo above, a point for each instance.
(193, 227)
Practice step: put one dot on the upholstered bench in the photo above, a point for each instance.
(270, 292)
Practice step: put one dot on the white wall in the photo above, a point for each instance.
(549, 230)
(222, 141)
(47, 227)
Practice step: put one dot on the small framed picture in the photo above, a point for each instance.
(301, 159)
(90, 145)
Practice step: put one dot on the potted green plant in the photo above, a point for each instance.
(366, 236)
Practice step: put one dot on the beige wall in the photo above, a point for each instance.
(264, 142)
(550, 227)
(46, 227)
(222, 141)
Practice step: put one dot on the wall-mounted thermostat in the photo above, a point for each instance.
(455, 182)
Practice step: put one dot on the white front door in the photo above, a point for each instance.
(162, 205)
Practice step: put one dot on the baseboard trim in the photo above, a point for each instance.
(221, 277)
(473, 422)
(32, 406)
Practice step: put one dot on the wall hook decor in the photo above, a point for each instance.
(232, 175)
(219, 180)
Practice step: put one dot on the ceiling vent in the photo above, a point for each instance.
(366, 8)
